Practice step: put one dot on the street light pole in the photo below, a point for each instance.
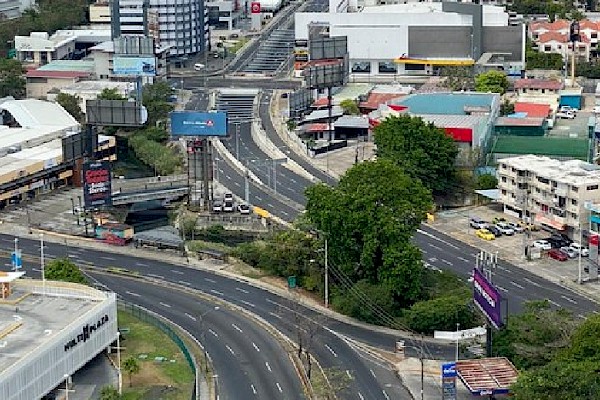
(326, 275)
(15, 266)
(119, 364)
(237, 140)
(42, 264)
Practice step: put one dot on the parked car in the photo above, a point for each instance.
(228, 206)
(485, 234)
(555, 243)
(505, 228)
(477, 223)
(217, 206)
(565, 115)
(496, 220)
(497, 232)
(563, 240)
(568, 109)
(542, 244)
(198, 67)
(244, 209)
(579, 249)
(569, 251)
(515, 226)
(557, 255)
(596, 110)
(228, 197)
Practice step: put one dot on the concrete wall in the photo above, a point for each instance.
(447, 41)
(373, 43)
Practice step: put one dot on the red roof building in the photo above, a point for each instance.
(375, 99)
(533, 110)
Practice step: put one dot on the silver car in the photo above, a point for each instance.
(505, 229)
(571, 253)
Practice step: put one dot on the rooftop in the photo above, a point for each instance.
(36, 73)
(445, 103)
(542, 145)
(573, 172)
(352, 121)
(487, 375)
(533, 109)
(69, 65)
(538, 84)
(527, 121)
(454, 121)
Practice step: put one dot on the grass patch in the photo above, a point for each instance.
(198, 245)
(157, 380)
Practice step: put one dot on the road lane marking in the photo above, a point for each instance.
(372, 373)
(360, 396)
(237, 328)
(446, 262)
(237, 184)
(501, 268)
(349, 374)
(255, 347)
(213, 332)
(268, 366)
(230, 349)
(216, 292)
(516, 284)
(570, 300)
(190, 317)
(531, 282)
(139, 264)
(228, 177)
(279, 387)
(283, 212)
(463, 259)
(36, 269)
(293, 180)
(253, 388)
(164, 304)
(501, 288)
(241, 290)
(176, 272)
(247, 303)
(330, 350)
(186, 283)
(434, 246)
(275, 315)
(258, 198)
(210, 280)
(422, 232)
(133, 294)
(581, 316)
(108, 258)
(385, 395)
(270, 205)
(156, 276)
(554, 303)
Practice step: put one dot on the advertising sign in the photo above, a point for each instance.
(134, 66)
(487, 298)
(255, 7)
(192, 123)
(449, 381)
(97, 189)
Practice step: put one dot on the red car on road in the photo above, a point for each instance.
(558, 255)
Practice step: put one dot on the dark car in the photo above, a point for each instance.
(494, 230)
(554, 242)
(564, 240)
(558, 255)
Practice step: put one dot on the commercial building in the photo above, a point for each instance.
(49, 331)
(417, 38)
(89, 90)
(548, 191)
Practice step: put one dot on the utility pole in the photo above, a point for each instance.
(42, 264)
(326, 275)
(237, 140)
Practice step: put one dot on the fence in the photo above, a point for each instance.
(154, 319)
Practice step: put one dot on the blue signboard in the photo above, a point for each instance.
(134, 66)
(16, 260)
(192, 123)
(449, 381)
(449, 370)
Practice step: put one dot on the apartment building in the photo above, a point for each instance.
(550, 192)
(553, 37)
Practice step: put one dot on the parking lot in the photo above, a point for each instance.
(510, 248)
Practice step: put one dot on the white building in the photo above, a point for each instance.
(89, 90)
(549, 191)
(59, 327)
(417, 38)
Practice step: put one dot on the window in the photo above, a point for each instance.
(543, 180)
(574, 202)
(503, 192)
(574, 189)
(387, 67)
(504, 179)
(361, 67)
(414, 67)
(547, 48)
(592, 187)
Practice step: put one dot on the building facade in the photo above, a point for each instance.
(548, 191)
(553, 37)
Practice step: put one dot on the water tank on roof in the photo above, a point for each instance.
(40, 35)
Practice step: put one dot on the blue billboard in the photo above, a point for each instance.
(192, 123)
(134, 66)
(449, 381)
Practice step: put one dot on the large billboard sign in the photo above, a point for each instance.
(487, 298)
(134, 66)
(449, 381)
(97, 191)
(192, 123)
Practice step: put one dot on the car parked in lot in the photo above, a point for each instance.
(497, 220)
(228, 206)
(568, 109)
(561, 239)
(228, 197)
(217, 206)
(485, 234)
(565, 115)
(497, 232)
(558, 255)
(569, 251)
(542, 244)
(478, 223)
(516, 227)
(579, 249)
(244, 209)
(505, 228)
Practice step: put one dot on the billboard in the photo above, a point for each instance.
(192, 123)
(324, 74)
(255, 7)
(115, 113)
(97, 191)
(134, 66)
(325, 48)
(487, 298)
(449, 381)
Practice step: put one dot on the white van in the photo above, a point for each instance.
(198, 67)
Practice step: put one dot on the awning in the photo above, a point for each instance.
(492, 194)
(436, 62)
(487, 376)
(540, 219)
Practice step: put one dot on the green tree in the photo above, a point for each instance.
(131, 367)
(349, 107)
(156, 99)
(110, 94)
(458, 78)
(422, 150)
(369, 219)
(491, 81)
(63, 269)
(487, 181)
(539, 60)
(585, 342)
(442, 313)
(507, 107)
(381, 297)
(71, 104)
(156, 134)
(12, 82)
(109, 393)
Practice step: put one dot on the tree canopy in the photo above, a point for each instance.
(422, 150)
(63, 269)
(110, 94)
(155, 98)
(491, 81)
(12, 82)
(71, 104)
(350, 107)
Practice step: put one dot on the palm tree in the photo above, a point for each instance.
(132, 367)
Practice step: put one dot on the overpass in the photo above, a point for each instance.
(170, 193)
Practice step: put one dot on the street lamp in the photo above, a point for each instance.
(42, 264)
(66, 376)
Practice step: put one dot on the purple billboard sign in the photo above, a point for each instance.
(487, 299)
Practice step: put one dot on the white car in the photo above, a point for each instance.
(577, 248)
(568, 109)
(596, 110)
(228, 197)
(228, 206)
(244, 209)
(565, 114)
(505, 229)
(516, 227)
(198, 67)
(569, 251)
(542, 244)
(217, 206)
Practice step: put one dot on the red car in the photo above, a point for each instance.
(558, 255)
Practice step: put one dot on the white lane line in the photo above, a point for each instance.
(275, 315)
(385, 395)
(255, 347)
(241, 290)
(330, 350)
(237, 184)
(283, 212)
(570, 300)
(190, 316)
(139, 264)
(531, 282)
(156, 276)
(230, 349)
(186, 283)
(279, 387)
(501, 268)
(108, 258)
(372, 373)
(210, 280)
(501, 288)
(360, 396)
(516, 284)
(446, 262)
(237, 328)
(268, 366)
(164, 304)
(228, 177)
(463, 259)
(581, 316)
(253, 389)
(258, 198)
(270, 205)
(349, 374)
(36, 269)
(423, 251)
(176, 272)
(434, 246)
(133, 294)
(553, 303)
(293, 180)
(438, 239)
(213, 332)
(247, 303)
(216, 292)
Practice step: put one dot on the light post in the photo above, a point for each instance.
(119, 364)
(16, 256)
(237, 140)
(42, 264)
(326, 274)
(66, 376)
(457, 335)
